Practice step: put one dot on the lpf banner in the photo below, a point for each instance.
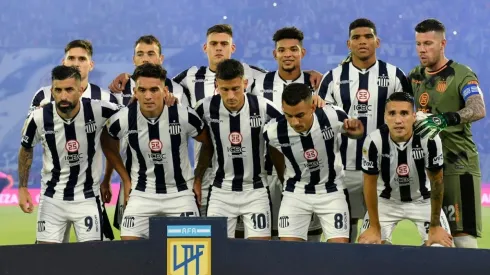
(9, 196)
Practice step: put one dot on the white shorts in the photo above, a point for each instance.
(353, 181)
(391, 212)
(54, 215)
(141, 206)
(332, 209)
(252, 206)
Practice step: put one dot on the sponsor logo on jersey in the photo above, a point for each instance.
(155, 145)
(310, 154)
(235, 138)
(441, 86)
(383, 81)
(174, 128)
(363, 96)
(188, 249)
(72, 146)
(424, 99)
(403, 170)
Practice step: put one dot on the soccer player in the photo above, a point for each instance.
(449, 93)
(160, 167)
(147, 49)
(236, 121)
(410, 186)
(360, 86)
(69, 129)
(78, 53)
(306, 138)
(288, 52)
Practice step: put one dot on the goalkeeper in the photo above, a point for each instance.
(449, 94)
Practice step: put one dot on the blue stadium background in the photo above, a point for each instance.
(34, 33)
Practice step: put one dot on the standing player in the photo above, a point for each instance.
(69, 129)
(236, 121)
(360, 86)
(306, 137)
(410, 186)
(78, 54)
(160, 167)
(288, 53)
(147, 49)
(449, 92)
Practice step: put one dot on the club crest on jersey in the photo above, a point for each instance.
(424, 99)
(155, 145)
(255, 121)
(310, 154)
(235, 138)
(363, 95)
(383, 81)
(327, 133)
(441, 86)
(90, 127)
(174, 128)
(402, 170)
(418, 153)
(72, 146)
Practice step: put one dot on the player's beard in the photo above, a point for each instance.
(289, 70)
(65, 109)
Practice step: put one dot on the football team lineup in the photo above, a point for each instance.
(290, 154)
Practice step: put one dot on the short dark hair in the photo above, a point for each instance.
(150, 70)
(84, 44)
(288, 33)
(294, 93)
(229, 69)
(401, 97)
(220, 28)
(63, 72)
(429, 25)
(149, 39)
(362, 23)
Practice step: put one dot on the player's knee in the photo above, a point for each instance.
(465, 241)
(338, 240)
(291, 239)
(130, 238)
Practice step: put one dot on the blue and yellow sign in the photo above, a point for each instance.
(189, 250)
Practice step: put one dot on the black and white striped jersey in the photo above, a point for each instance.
(176, 89)
(72, 158)
(238, 141)
(43, 95)
(270, 85)
(313, 164)
(200, 81)
(362, 94)
(157, 149)
(402, 167)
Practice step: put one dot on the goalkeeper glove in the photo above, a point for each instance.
(434, 124)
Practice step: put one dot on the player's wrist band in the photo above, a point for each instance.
(452, 118)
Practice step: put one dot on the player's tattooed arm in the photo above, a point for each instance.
(25, 161)
(436, 196)
(205, 155)
(474, 109)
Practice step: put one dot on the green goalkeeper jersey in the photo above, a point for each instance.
(446, 90)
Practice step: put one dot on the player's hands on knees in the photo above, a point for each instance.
(25, 200)
(170, 99)
(197, 190)
(106, 191)
(315, 79)
(119, 83)
(437, 235)
(318, 101)
(371, 236)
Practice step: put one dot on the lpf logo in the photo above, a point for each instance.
(311, 154)
(235, 138)
(72, 146)
(155, 145)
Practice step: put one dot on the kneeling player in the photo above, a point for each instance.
(307, 137)
(406, 163)
(157, 141)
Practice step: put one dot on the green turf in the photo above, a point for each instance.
(19, 228)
